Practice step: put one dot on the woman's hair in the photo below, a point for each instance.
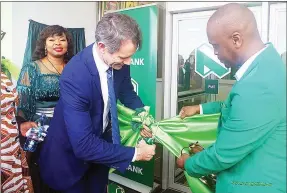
(50, 31)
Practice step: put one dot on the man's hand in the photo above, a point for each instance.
(181, 160)
(146, 132)
(26, 126)
(145, 152)
(189, 111)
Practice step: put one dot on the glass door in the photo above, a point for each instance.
(189, 32)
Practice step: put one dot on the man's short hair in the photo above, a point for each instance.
(114, 28)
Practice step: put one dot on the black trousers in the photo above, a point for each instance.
(38, 184)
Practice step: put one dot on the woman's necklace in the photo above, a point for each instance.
(54, 66)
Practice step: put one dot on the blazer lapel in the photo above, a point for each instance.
(93, 68)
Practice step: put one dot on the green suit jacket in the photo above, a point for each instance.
(249, 155)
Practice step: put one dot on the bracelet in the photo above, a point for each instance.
(183, 149)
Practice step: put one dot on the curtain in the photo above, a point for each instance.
(34, 31)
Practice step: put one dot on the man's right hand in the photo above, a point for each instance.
(189, 111)
(145, 152)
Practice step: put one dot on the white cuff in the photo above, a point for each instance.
(135, 155)
(201, 111)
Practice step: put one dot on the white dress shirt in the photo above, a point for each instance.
(240, 72)
(102, 69)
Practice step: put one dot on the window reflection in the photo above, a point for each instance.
(188, 70)
(181, 72)
(188, 79)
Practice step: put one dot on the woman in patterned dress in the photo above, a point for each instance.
(15, 176)
(38, 87)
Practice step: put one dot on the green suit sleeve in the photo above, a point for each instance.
(212, 107)
(250, 120)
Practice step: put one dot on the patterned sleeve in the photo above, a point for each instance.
(26, 91)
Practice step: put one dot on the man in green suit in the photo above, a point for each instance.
(249, 155)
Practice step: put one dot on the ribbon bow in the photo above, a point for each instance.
(142, 117)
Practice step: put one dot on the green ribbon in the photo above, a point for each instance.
(174, 134)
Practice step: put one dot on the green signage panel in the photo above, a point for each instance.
(211, 86)
(207, 63)
(143, 73)
(114, 188)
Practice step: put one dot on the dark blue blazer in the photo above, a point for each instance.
(75, 142)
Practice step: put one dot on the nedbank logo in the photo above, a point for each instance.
(137, 61)
(135, 169)
(135, 85)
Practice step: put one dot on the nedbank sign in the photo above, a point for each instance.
(135, 85)
(135, 169)
(137, 61)
(207, 63)
(143, 76)
(141, 172)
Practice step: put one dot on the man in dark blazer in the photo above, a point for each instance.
(83, 141)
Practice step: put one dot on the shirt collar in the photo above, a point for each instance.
(240, 72)
(101, 65)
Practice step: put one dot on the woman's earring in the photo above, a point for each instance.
(67, 53)
(45, 51)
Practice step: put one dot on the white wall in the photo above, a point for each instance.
(66, 14)
(6, 26)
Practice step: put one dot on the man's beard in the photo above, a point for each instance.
(117, 66)
(227, 65)
(114, 65)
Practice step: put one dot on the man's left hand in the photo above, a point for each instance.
(181, 160)
(146, 132)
